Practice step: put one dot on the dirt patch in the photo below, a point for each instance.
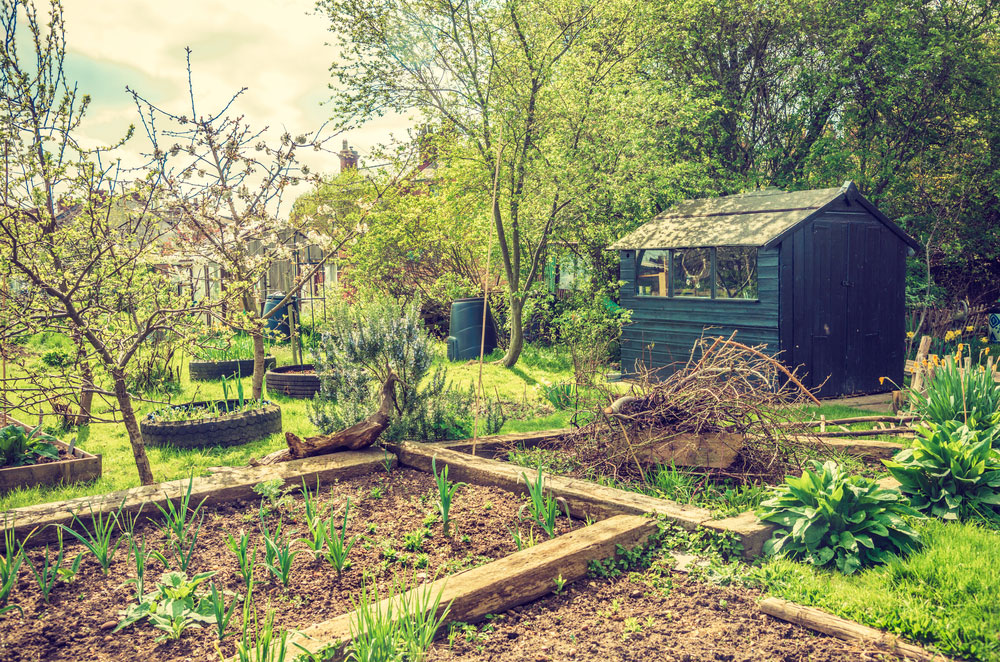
(676, 620)
(77, 624)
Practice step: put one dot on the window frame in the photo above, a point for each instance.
(714, 275)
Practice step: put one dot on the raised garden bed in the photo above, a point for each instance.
(294, 381)
(209, 370)
(73, 466)
(661, 617)
(384, 509)
(225, 430)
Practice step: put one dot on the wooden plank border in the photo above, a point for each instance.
(225, 484)
(514, 580)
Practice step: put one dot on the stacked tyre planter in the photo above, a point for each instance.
(294, 381)
(209, 370)
(227, 430)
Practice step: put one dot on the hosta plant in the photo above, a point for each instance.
(829, 517)
(19, 447)
(951, 471)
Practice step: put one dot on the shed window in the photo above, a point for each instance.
(736, 272)
(692, 272)
(653, 274)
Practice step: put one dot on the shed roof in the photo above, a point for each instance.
(759, 218)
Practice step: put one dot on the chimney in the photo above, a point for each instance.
(348, 158)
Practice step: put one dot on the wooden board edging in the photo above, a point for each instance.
(514, 580)
(583, 498)
(488, 446)
(835, 626)
(225, 484)
(873, 448)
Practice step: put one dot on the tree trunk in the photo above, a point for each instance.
(257, 383)
(132, 427)
(358, 436)
(516, 332)
(87, 379)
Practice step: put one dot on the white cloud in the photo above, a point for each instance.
(275, 48)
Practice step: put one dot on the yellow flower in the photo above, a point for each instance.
(984, 340)
(970, 328)
(909, 334)
(881, 380)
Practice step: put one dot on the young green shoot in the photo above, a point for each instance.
(338, 547)
(97, 540)
(446, 492)
(241, 548)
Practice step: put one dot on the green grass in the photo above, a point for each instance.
(110, 440)
(944, 596)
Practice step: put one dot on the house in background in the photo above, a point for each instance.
(815, 277)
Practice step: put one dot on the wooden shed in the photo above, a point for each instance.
(817, 277)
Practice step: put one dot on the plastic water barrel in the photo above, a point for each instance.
(993, 325)
(277, 324)
(465, 330)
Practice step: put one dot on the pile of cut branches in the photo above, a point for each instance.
(725, 387)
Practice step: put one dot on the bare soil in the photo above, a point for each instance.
(77, 623)
(674, 619)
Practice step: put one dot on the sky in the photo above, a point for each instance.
(276, 48)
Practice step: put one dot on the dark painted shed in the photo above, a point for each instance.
(817, 277)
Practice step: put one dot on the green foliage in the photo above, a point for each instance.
(560, 395)
(10, 563)
(970, 396)
(175, 605)
(57, 358)
(19, 448)
(363, 345)
(951, 472)
(97, 539)
(222, 616)
(830, 517)
(181, 526)
(446, 492)
(278, 555)
(269, 644)
(940, 596)
(401, 627)
(213, 347)
(544, 507)
(49, 572)
(338, 546)
(242, 550)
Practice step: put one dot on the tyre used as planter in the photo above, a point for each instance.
(294, 381)
(209, 370)
(226, 430)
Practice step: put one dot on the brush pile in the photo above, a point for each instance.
(726, 390)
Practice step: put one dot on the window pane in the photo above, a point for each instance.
(736, 273)
(693, 272)
(652, 275)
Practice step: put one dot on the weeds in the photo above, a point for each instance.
(521, 542)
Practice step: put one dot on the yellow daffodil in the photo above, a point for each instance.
(909, 334)
(970, 328)
(881, 380)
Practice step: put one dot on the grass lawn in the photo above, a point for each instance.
(944, 596)
(521, 385)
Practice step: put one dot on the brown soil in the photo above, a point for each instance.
(677, 620)
(298, 372)
(77, 624)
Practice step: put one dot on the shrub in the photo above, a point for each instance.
(830, 517)
(361, 346)
(57, 358)
(970, 396)
(951, 471)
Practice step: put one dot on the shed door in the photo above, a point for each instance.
(846, 269)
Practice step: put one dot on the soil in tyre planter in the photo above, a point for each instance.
(294, 381)
(209, 370)
(230, 430)
(77, 623)
(678, 619)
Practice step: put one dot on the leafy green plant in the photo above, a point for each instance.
(279, 556)
(523, 542)
(179, 526)
(19, 447)
(217, 601)
(270, 644)
(137, 550)
(241, 548)
(272, 490)
(98, 539)
(951, 471)
(955, 394)
(51, 571)
(544, 507)
(338, 546)
(175, 605)
(10, 564)
(446, 492)
(830, 517)
(402, 627)
(560, 584)
(560, 395)
(237, 348)
(413, 541)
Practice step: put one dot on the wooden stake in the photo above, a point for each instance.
(842, 628)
